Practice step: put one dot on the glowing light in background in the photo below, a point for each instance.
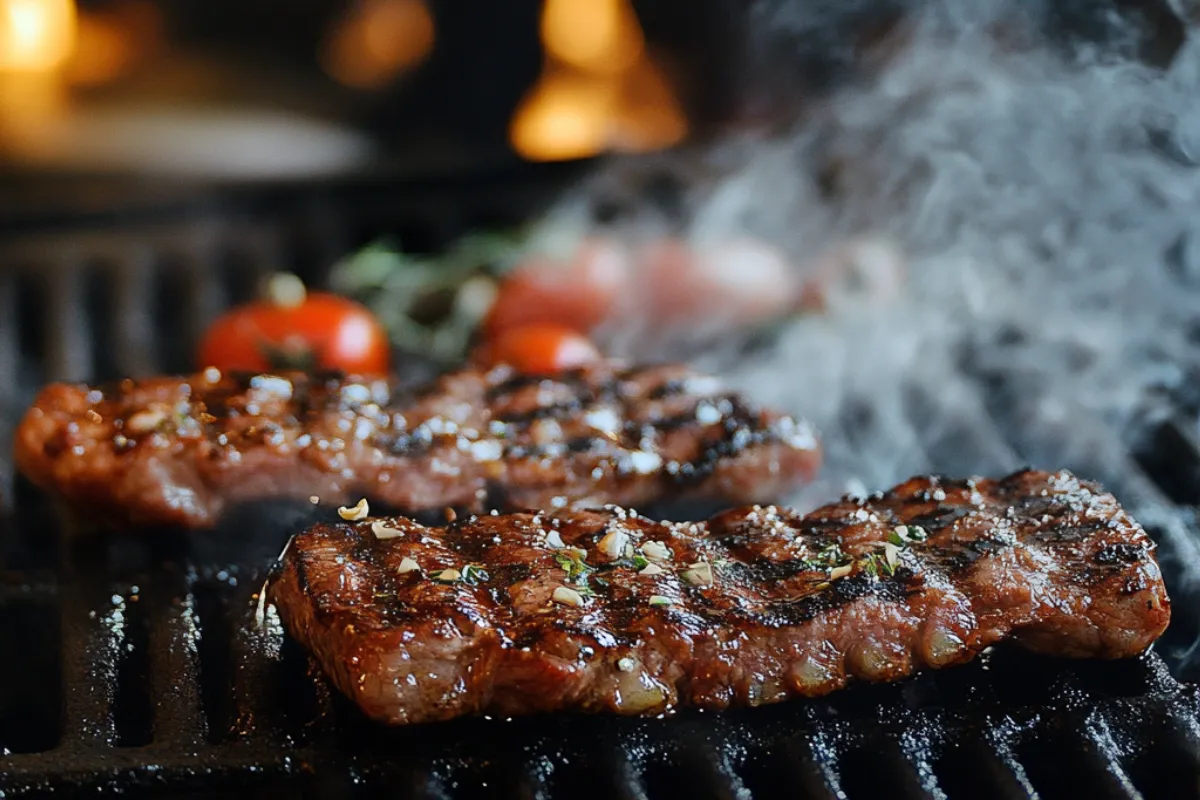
(600, 90)
(566, 116)
(377, 41)
(596, 36)
(36, 35)
(36, 39)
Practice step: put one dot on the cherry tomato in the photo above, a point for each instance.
(579, 295)
(292, 329)
(542, 349)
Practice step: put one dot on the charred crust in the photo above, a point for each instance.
(668, 388)
(838, 594)
(1120, 553)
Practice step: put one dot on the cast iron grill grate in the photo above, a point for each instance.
(135, 666)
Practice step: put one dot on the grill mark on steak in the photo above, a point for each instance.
(667, 389)
(1120, 553)
(840, 593)
(776, 623)
(175, 451)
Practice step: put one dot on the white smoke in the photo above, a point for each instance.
(1047, 215)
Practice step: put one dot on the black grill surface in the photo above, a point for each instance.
(136, 665)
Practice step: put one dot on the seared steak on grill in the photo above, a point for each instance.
(604, 610)
(175, 451)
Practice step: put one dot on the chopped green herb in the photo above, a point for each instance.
(636, 562)
(876, 564)
(828, 557)
(574, 565)
(903, 535)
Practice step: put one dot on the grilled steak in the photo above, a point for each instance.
(175, 451)
(604, 610)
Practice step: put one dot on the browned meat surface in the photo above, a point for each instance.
(176, 451)
(608, 611)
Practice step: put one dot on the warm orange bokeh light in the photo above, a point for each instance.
(600, 90)
(378, 40)
(596, 36)
(36, 35)
(566, 116)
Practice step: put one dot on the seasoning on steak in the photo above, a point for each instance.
(176, 451)
(606, 611)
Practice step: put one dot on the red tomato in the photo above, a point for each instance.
(539, 349)
(579, 295)
(291, 329)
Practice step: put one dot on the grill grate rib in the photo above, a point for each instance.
(133, 334)
(814, 776)
(992, 764)
(178, 714)
(1100, 757)
(255, 653)
(92, 638)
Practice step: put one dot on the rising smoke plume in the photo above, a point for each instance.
(1041, 195)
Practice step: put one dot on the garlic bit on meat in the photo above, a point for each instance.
(384, 531)
(615, 544)
(146, 420)
(407, 565)
(699, 574)
(840, 572)
(652, 569)
(567, 597)
(358, 512)
(657, 551)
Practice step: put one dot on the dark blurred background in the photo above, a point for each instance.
(253, 89)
